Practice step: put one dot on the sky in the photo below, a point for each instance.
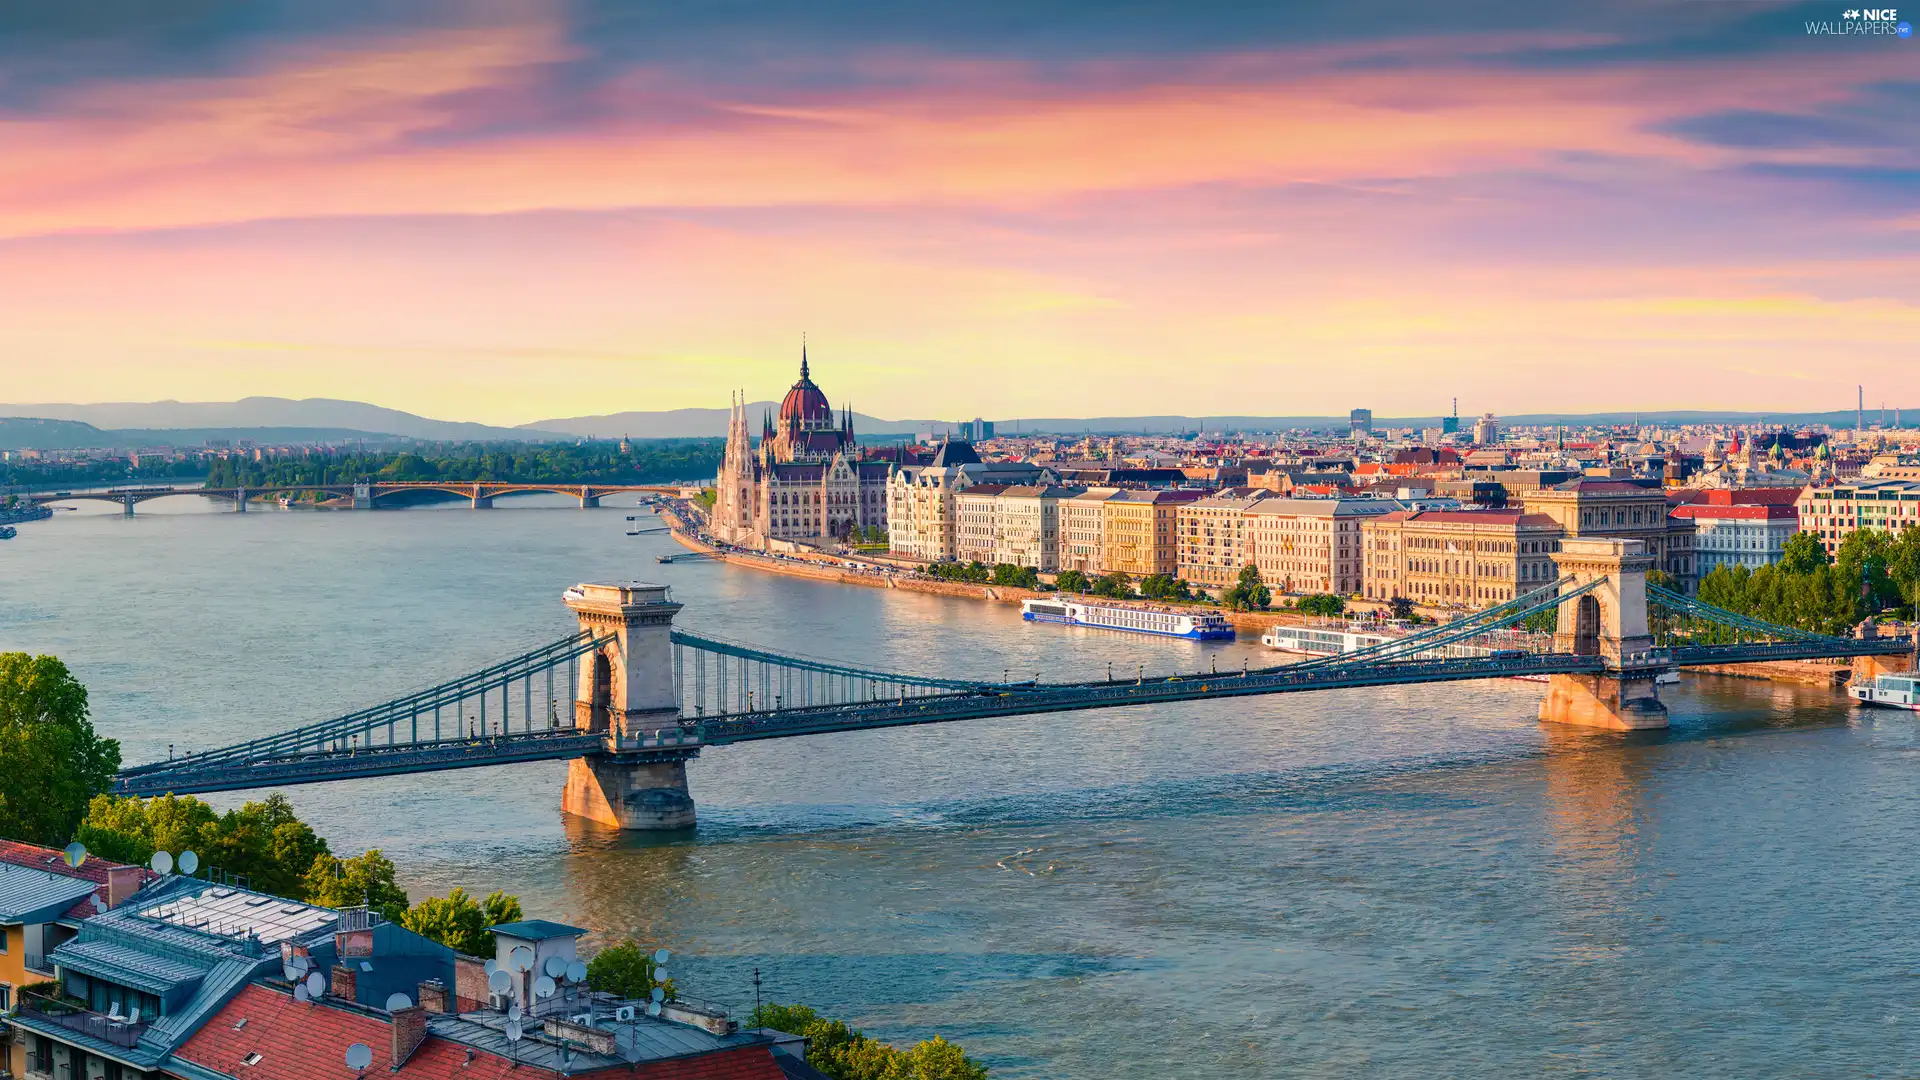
(508, 212)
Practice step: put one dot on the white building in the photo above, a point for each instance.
(1029, 525)
(1083, 529)
(921, 513)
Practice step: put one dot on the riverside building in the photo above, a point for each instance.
(1458, 558)
(1835, 511)
(1310, 545)
(1622, 510)
(1741, 527)
(922, 512)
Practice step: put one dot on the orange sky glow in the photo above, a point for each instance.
(507, 220)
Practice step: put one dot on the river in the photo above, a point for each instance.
(1397, 882)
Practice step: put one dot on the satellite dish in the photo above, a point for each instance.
(300, 964)
(292, 975)
(316, 985)
(300, 993)
(513, 1011)
(162, 863)
(653, 1008)
(492, 966)
(359, 1056)
(499, 982)
(576, 972)
(521, 958)
(543, 987)
(556, 966)
(189, 862)
(99, 905)
(396, 1002)
(75, 854)
(514, 1031)
(658, 994)
(660, 956)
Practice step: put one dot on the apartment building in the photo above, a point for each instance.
(1746, 527)
(1458, 558)
(1083, 529)
(976, 523)
(1140, 527)
(1622, 510)
(921, 521)
(1211, 544)
(1028, 531)
(1310, 545)
(1834, 511)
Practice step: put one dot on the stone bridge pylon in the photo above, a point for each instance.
(1609, 622)
(626, 693)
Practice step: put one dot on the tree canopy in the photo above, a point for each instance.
(264, 841)
(626, 969)
(1326, 604)
(1247, 593)
(460, 922)
(844, 1053)
(365, 879)
(52, 763)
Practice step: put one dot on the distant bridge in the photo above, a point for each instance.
(644, 698)
(365, 494)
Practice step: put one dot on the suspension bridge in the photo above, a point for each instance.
(642, 698)
(365, 495)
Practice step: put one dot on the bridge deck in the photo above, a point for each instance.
(363, 762)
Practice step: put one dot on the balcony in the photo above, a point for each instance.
(39, 965)
(72, 1016)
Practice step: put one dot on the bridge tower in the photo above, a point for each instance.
(362, 496)
(1610, 622)
(626, 692)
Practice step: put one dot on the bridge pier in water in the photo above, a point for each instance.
(1609, 622)
(626, 693)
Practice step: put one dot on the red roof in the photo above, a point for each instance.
(1768, 512)
(805, 401)
(298, 1041)
(93, 868)
(1767, 496)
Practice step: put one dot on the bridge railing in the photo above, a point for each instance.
(402, 719)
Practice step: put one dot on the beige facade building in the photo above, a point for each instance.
(1140, 527)
(1029, 525)
(1083, 529)
(921, 514)
(1459, 558)
(976, 523)
(1211, 545)
(1310, 545)
(1620, 510)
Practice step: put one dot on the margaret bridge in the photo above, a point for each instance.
(366, 495)
(646, 698)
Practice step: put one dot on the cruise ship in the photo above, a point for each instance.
(1335, 640)
(1197, 625)
(1890, 691)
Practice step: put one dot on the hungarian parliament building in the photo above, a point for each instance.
(807, 480)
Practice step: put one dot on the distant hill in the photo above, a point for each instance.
(265, 412)
(36, 433)
(695, 423)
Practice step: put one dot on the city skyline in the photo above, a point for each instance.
(517, 215)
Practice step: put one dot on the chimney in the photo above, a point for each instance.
(122, 882)
(342, 983)
(409, 1031)
(433, 996)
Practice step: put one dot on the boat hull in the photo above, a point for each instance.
(1223, 634)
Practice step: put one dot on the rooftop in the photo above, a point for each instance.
(38, 896)
(537, 930)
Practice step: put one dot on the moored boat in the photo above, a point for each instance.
(1193, 625)
(1900, 691)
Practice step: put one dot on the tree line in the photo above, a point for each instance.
(651, 462)
(1873, 572)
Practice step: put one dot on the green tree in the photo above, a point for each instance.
(460, 922)
(1802, 554)
(1326, 604)
(365, 879)
(1400, 608)
(262, 840)
(1165, 587)
(1019, 577)
(52, 763)
(1903, 567)
(1114, 586)
(935, 1059)
(627, 969)
(1248, 593)
(1071, 581)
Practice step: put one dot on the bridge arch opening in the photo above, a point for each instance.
(602, 700)
(1586, 626)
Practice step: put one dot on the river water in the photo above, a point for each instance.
(1399, 882)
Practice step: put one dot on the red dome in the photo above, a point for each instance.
(805, 403)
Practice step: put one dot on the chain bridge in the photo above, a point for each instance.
(642, 698)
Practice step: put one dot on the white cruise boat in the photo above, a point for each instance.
(1322, 640)
(1891, 691)
(1193, 625)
